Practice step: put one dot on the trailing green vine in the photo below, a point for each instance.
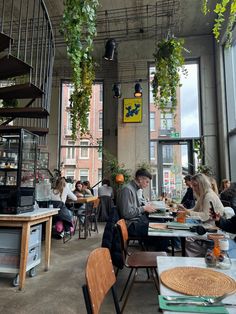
(168, 61)
(79, 30)
(221, 9)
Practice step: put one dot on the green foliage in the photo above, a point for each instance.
(221, 9)
(10, 103)
(79, 30)
(145, 165)
(205, 170)
(113, 167)
(168, 61)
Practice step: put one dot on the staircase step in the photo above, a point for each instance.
(4, 41)
(35, 130)
(24, 112)
(11, 66)
(21, 91)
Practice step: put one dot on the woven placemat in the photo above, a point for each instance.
(198, 281)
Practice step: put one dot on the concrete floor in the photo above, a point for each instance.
(59, 290)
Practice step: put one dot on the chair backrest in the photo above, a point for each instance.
(100, 277)
(124, 233)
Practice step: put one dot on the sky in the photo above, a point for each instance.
(189, 100)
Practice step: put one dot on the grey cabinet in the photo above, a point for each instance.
(10, 247)
(18, 158)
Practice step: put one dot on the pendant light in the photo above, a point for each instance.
(138, 92)
(116, 90)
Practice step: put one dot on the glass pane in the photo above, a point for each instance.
(175, 167)
(186, 122)
(189, 102)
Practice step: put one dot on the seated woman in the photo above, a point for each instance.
(78, 191)
(60, 193)
(87, 188)
(224, 185)
(228, 225)
(204, 194)
(203, 191)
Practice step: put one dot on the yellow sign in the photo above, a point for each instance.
(132, 110)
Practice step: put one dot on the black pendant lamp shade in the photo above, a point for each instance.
(110, 49)
(138, 90)
(116, 90)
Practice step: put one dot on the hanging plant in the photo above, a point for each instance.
(79, 30)
(168, 61)
(220, 9)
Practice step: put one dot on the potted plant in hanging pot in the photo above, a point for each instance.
(168, 61)
(116, 171)
(79, 29)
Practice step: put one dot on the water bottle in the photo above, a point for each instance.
(224, 261)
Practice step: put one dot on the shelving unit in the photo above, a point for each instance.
(18, 157)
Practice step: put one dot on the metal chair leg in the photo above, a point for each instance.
(126, 284)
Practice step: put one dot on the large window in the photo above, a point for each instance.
(82, 158)
(171, 127)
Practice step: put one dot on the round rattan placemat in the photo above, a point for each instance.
(198, 281)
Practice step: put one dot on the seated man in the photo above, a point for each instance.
(133, 211)
(188, 199)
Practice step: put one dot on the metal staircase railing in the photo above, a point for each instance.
(26, 63)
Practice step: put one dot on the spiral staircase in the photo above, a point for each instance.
(26, 63)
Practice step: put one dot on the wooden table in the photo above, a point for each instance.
(87, 201)
(168, 262)
(25, 221)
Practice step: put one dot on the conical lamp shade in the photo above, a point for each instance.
(116, 90)
(110, 49)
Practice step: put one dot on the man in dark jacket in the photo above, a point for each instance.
(135, 212)
(130, 207)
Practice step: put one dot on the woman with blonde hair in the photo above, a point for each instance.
(204, 193)
(195, 246)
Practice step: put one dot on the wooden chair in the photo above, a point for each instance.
(100, 278)
(135, 261)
